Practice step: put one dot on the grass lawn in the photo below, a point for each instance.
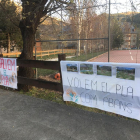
(47, 57)
(84, 57)
(51, 56)
(44, 72)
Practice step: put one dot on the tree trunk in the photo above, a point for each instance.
(27, 54)
(8, 45)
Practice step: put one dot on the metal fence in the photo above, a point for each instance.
(89, 50)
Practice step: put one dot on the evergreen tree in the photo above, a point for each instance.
(9, 17)
(116, 34)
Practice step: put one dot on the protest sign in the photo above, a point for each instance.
(112, 87)
(8, 72)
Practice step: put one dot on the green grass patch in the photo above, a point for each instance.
(45, 94)
(47, 57)
(44, 72)
(51, 56)
(85, 57)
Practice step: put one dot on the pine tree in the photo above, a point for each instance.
(7, 25)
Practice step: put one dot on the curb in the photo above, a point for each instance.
(96, 57)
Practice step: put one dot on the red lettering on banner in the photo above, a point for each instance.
(13, 64)
(2, 63)
(5, 80)
(10, 64)
(7, 64)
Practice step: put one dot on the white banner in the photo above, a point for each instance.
(8, 72)
(112, 87)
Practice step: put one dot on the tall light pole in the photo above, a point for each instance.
(79, 27)
(109, 34)
(61, 28)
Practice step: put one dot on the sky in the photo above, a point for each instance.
(117, 6)
(124, 6)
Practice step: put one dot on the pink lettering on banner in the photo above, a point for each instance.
(5, 80)
(7, 64)
(11, 64)
(2, 63)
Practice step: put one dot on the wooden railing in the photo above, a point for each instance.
(42, 53)
(54, 52)
(12, 54)
(53, 65)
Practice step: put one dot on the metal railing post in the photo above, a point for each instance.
(109, 34)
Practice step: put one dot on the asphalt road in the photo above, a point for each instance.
(119, 56)
(27, 118)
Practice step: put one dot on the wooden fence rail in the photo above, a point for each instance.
(54, 52)
(54, 65)
(13, 53)
(40, 83)
(43, 53)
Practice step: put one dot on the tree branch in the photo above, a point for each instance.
(56, 6)
(48, 16)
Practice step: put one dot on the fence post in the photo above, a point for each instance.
(1, 55)
(61, 57)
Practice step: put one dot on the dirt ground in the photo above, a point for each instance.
(49, 78)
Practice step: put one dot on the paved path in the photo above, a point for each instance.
(119, 56)
(27, 118)
(56, 59)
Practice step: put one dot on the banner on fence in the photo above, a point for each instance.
(112, 87)
(8, 72)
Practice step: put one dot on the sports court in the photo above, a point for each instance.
(119, 56)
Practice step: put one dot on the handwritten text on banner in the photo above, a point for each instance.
(8, 72)
(113, 87)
